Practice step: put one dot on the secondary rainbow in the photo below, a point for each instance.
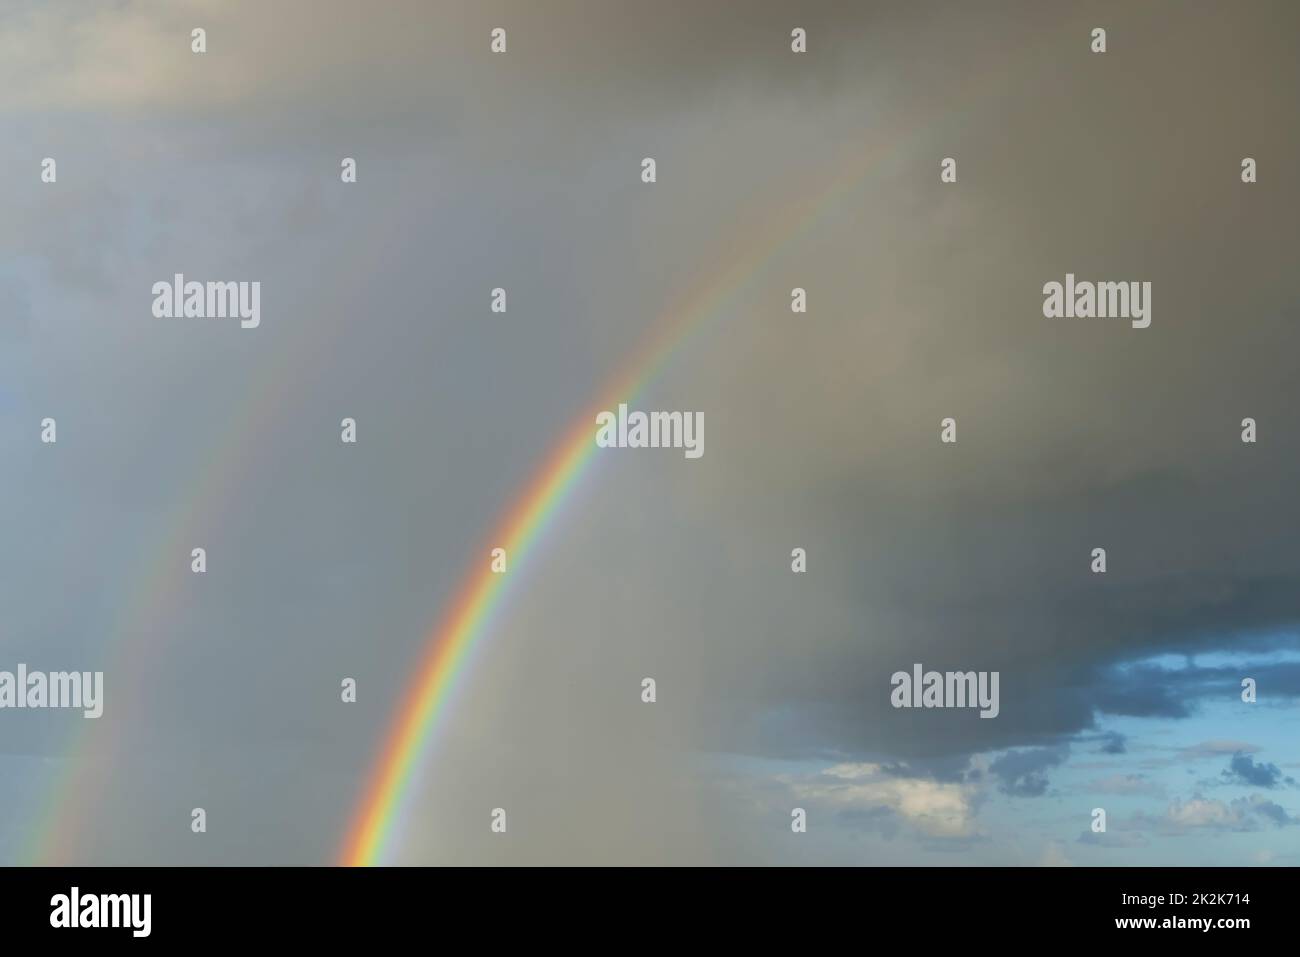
(151, 614)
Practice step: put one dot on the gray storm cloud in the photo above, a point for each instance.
(924, 303)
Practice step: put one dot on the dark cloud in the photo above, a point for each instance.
(1272, 812)
(1070, 436)
(775, 170)
(1114, 743)
(951, 769)
(1024, 773)
(1243, 769)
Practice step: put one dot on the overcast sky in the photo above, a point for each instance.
(774, 170)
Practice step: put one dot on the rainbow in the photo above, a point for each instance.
(452, 640)
(148, 617)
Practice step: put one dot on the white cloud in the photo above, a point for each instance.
(1199, 812)
(934, 808)
(1242, 814)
